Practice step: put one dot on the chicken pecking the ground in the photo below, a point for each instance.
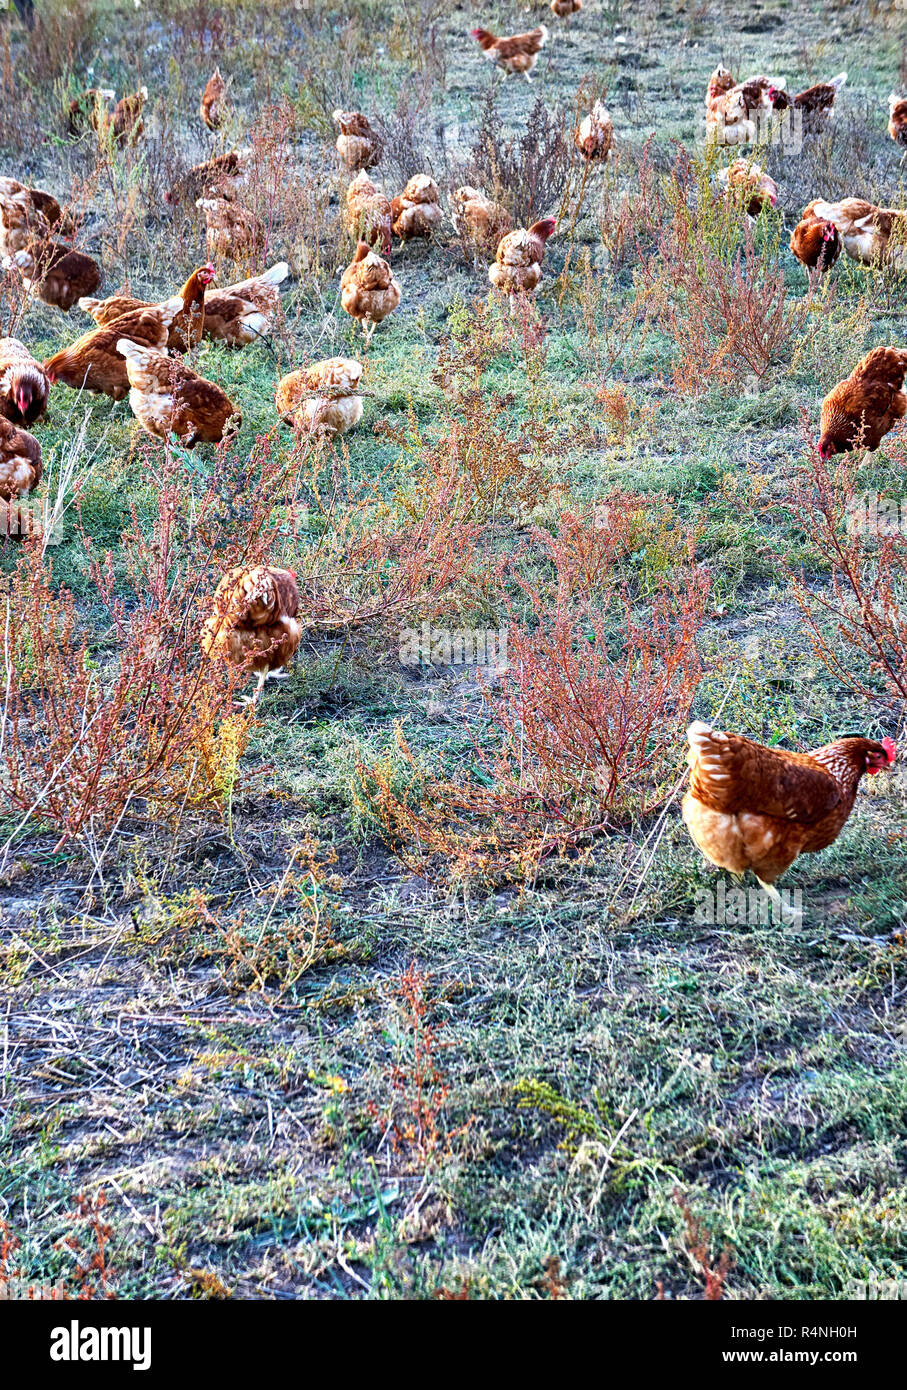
(322, 398)
(94, 362)
(23, 384)
(518, 263)
(859, 411)
(231, 230)
(518, 54)
(188, 325)
(870, 234)
(214, 103)
(359, 146)
(565, 8)
(167, 397)
(750, 184)
(368, 213)
(897, 119)
(244, 313)
(369, 290)
(479, 220)
(815, 243)
(751, 807)
(221, 176)
(815, 105)
(20, 462)
(416, 212)
(255, 623)
(55, 273)
(594, 136)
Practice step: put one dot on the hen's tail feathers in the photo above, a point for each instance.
(826, 211)
(170, 308)
(838, 82)
(276, 274)
(699, 734)
(133, 352)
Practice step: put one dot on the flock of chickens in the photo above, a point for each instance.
(747, 807)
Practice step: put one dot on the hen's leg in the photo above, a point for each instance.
(254, 698)
(786, 915)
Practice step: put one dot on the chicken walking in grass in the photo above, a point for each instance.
(479, 220)
(20, 463)
(127, 122)
(749, 185)
(814, 107)
(368, 213)
(214, 102)
(734, 110)
(94, 362)
(231, 230)
(870, 234)
(221, 176)
(897, 120)
(416, 212)
(167, 397)
(244, 313)
(359, 146)
(859, 411)
(517, 54)
(594, 136)
(751, 807)
(90, 110)
(186, 327)
(55, 273)
(255, 624)
(369, 290)
(28, 215)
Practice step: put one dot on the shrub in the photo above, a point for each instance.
(857, 621)
(586, 720)
(86, 734)
(528, 173)
(721, 297)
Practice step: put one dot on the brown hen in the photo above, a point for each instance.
(859, 412)
(751, 807)
(254, 624)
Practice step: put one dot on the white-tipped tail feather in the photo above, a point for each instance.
(276, 274)
(698, 733)
(134, 352)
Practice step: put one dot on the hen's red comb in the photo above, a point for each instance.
(891, 748)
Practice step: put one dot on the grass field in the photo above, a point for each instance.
(370, 1019)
